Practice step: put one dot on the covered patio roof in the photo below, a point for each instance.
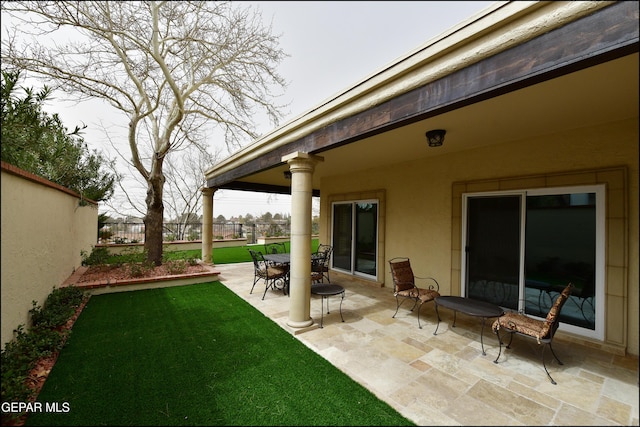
(475, 81)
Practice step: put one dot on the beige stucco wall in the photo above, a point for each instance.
(44, 229)
(419, 218)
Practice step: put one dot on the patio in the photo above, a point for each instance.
(444, 379)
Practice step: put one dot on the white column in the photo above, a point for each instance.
(207, 224)
(301, 166)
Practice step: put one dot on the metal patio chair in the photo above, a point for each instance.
(405, 288)
(542, 331)
(275, 277)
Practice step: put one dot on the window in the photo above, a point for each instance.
(355, 237)
(522, 247)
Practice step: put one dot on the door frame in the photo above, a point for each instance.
(600, 261)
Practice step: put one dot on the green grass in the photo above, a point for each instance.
(228, 255)
(197, 355)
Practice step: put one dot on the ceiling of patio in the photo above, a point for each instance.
(567, 102)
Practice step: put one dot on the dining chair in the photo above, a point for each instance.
(272, 275)
(275, 248)
(320, 263)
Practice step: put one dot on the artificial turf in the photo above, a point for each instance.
(196, 355)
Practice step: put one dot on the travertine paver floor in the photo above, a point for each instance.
(444, 379)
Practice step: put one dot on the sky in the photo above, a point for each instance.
(331, 47)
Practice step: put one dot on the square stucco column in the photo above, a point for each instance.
(301, 166)
(207, 224)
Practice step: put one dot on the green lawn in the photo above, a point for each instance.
(220, 255)
(196, 355)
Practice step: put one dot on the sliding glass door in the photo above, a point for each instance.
(355, 237)
(493, 249)
(522, 248)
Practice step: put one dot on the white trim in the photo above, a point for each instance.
(353, 203)
(600, 261)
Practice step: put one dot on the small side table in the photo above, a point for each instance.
(327, 290)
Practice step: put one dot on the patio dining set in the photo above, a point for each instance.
(273, 267)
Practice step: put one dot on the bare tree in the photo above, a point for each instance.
(167, 66)
(186, 177)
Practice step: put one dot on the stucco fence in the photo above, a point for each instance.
(45, 227)
(125, 248)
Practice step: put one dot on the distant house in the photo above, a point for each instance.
(533, 183)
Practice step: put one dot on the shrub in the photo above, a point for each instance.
(177, 266)
(105, 235)
(99, 255)
(58, 307)
(139, 269)
(44, 339)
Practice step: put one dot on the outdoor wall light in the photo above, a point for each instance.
(435, 137)
(287, 174)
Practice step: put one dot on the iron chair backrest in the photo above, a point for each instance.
(269, 273)
(257, 258)
(406, 288)
(402, 274)
(275, 248)
(321, 264)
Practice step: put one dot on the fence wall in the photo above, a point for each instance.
(133, 232)
(44, 229)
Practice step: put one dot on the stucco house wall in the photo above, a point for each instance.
(44, 230)
(420, 213)
(532, 95)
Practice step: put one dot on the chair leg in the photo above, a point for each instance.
(510, 338)
(500, 349)
(255, 280)
(286, 285)
(554, 354)
(544, 365)
(267, 284)
(398, 304)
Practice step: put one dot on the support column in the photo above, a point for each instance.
(207, 224)
(301, 166)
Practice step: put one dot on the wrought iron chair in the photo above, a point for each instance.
(404, 286)
(542, 331)
(275, 248)
(272, 275)
(320, 263)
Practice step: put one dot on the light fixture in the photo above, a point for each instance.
(287, 174)
(435, 137)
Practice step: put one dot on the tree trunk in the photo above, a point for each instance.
(154, 219)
